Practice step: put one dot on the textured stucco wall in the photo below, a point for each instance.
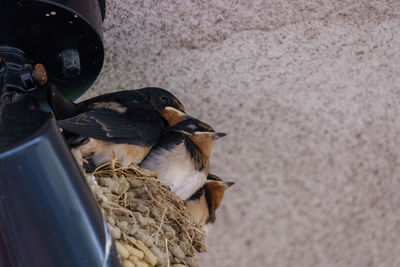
(309, 93)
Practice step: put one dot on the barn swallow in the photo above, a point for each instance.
(123, 124)
(157, 98)
(205, 201)
(181, 157)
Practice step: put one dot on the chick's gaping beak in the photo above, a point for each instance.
(173, 115)
(169, 108)
(229, 184)
(218, 135)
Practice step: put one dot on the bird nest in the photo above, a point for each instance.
(149, 224)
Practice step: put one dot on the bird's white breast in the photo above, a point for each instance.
(176, 168)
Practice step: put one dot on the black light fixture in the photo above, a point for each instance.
(64, 36)
(48, 216)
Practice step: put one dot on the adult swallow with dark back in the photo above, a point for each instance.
(205, 201)
(181, 157)
(125, 124)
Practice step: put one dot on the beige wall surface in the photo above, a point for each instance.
(309, 94)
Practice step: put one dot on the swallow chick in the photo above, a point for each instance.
(158, 98)
(181, 157)
(125, 124)
(205, 201)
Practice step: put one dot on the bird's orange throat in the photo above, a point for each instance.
(204, 142)
(217, 191)
(173, 116)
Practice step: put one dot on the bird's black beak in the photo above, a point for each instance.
(218, 135)
(229, 184)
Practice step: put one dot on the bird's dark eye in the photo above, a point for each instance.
(164, 100)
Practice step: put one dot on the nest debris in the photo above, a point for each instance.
(149, 224)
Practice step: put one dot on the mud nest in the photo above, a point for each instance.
(149, 224)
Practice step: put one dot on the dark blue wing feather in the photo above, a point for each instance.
(140, 126)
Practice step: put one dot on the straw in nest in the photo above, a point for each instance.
(149, 224)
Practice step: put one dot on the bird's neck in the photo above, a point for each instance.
(200, 159)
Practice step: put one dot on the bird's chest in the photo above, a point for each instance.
(178, 169)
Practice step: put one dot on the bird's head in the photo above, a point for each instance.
(215, 187)
(203, 135)
(160, 99)
(205, 201)
(169, 107)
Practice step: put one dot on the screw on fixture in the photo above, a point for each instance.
(40, 74)
(70, 62)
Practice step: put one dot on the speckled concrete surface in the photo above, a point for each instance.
(309, 94)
